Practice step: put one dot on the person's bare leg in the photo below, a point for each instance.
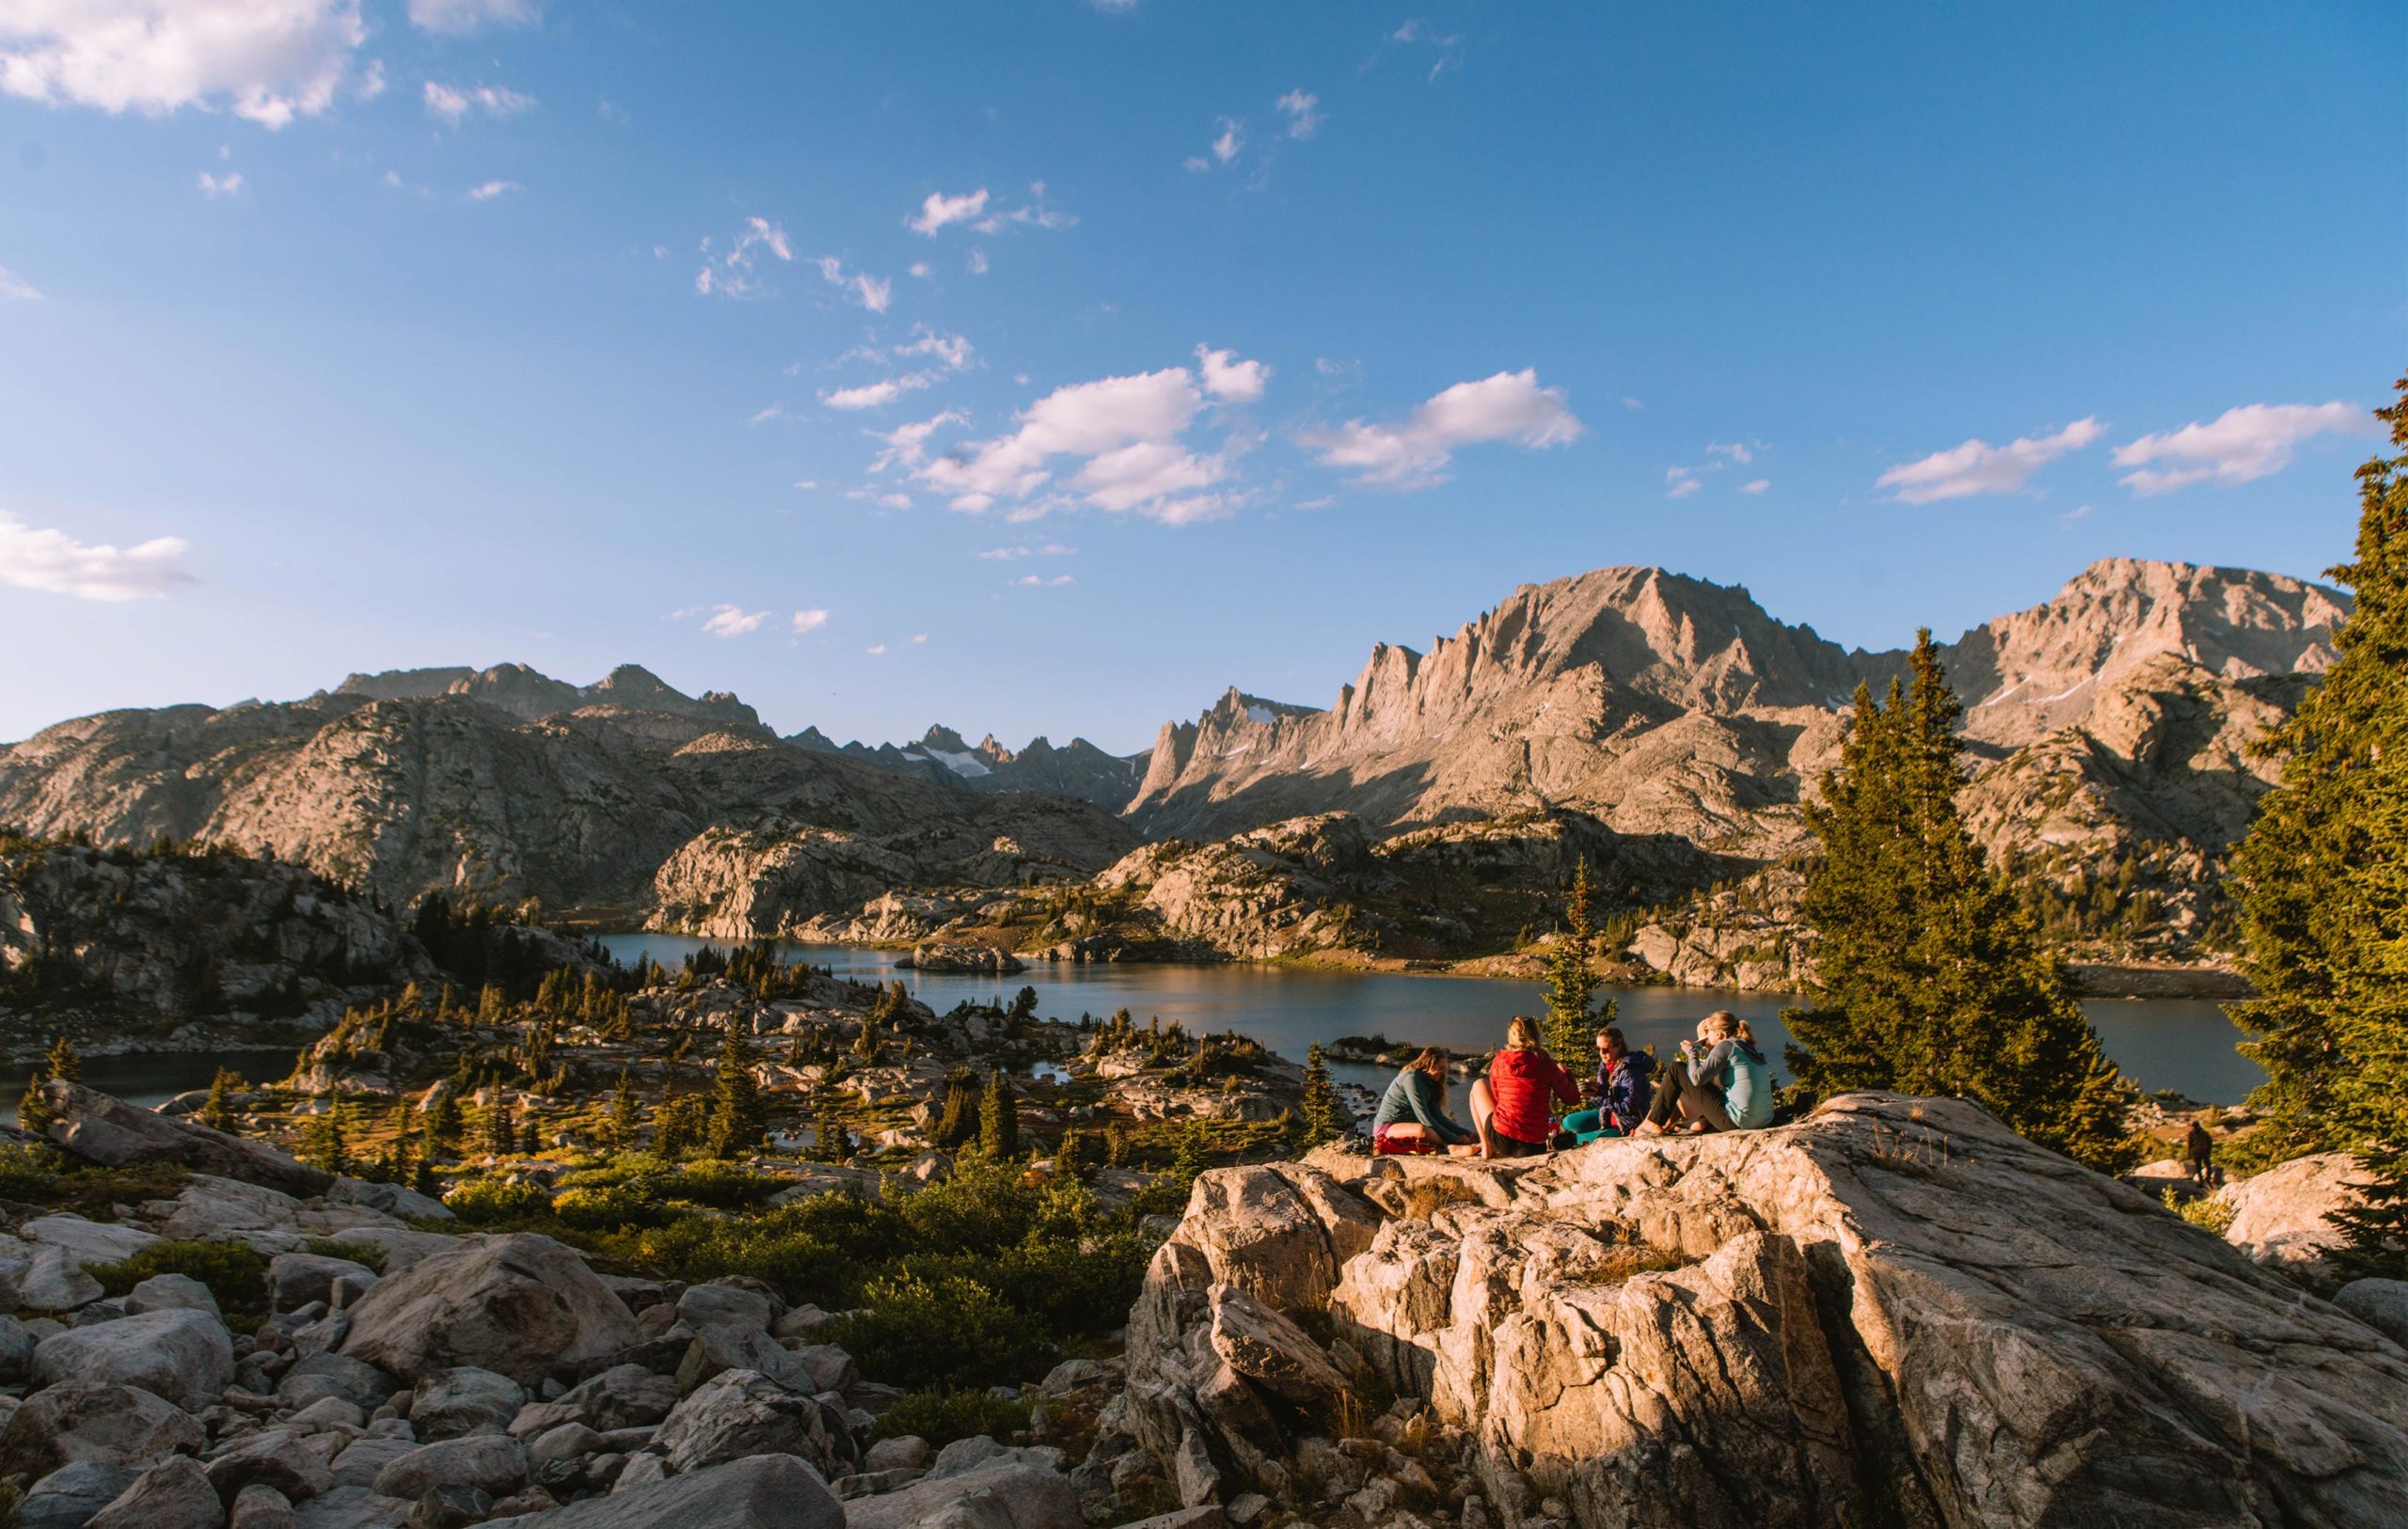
(1482, 1107)
(1411, 1130)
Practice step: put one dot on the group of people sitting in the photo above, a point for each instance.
(1719, 1083)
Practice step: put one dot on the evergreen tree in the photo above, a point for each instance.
(2321, 888)
(739, 1115)
(626, 1122)
(1317, 1120)
(64, 1064)
(1116, 1145)
(397, 1161)
(1070, 1162)
(1570, 1028)
(831, 1141)
(1931, 977)
(217, 1110)
(445, 1126)
(958, 1119)
(501, 1132)
(424, 1181)
(530, 1135)
(326, 1142)
(999, 1119)
(684, 1124)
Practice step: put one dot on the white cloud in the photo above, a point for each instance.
(54, 562)
(775, 411)
(1302, 111)
(1508, 407)
(1037, 581)
(918, 638)
(736, 274)
(1115, 7)
(1757, 486)
(953, 350)
(907, 445)
(15, 289)
(939, 209)
(919, 269)
(1230, 379)
(876, 650)
(215, 187)
(878, 394)
(269, 60)
(869, 291)
(1231, 139)
(1683, 486)
(810, 620)
(2236, 446)
(1050, 549)
(1737, 452)
(1976, 466)
(491, 189)
(1128, 429)
(458, 18)
(733, 620)
(806, 482)
(976, 264)
(453, 104)
(1038, 212)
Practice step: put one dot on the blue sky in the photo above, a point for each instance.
(342, 335)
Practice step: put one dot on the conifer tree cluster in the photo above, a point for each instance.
(739, 1115)
(1931, 976)
(217, 1110)
(831, 1140)
(325, 1141)
(2321, 886)
(33, 1110)
(958, 1118)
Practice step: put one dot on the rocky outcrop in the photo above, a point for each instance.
(2281, 1217)
(1896, 1312)
(515, 1306)
(101, 1128)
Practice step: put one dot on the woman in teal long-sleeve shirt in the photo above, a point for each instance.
(1412, 1116)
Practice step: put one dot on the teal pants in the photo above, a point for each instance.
(1589, 1125)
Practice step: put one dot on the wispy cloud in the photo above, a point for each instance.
(1976, 466)
(732, 621)
(2238, 445)
(1229, 141)
(907, 445)
(938, 210)
(457, 18)
(55, 562)
(491, 189)
(15, 289)
(1304, 114)
(1038, 581)
(453, 104)
(1756, 485)
(215, 187)
(1050, 549)
(872, 292)
(809, 621)
(737, 272)
(1414, 453)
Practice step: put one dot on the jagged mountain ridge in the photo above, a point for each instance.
(1662, 702)
(941, 755)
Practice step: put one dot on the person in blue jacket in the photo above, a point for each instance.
(1623, 1087)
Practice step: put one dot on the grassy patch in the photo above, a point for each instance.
(941, 1417)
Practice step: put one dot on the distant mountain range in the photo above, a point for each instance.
(2112, 723)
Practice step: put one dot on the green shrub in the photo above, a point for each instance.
(721, 1185)
(608, 1206)
(952, 1333)
(486, 1202)
(941, 1417)
(28, 1171)
(235, 1273)
(367, 1254)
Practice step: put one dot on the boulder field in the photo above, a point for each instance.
(1896, 1313)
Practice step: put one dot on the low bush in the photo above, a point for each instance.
(941, 1417)
(28, 1171)
(489, 1201)
(367, 1254)
(953, 1333)
(235, 1273)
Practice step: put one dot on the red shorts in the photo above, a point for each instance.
(1383, 1145)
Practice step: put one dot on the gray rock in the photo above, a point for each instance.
(89, 1243)
(363, 1460)
(355, 1380)
(907, 1452)
(492, 1463)
(517, 1305)
(296, 1278)
(16, 1350)
(641, 1470)
(353, 1507)
(761, 1492)
(52, 1280)
(2381, 1304)
(1031, 1497)
(328, 1413)
(1202, 1516)
(172, 1292)
(114, 1425)
(451, 1506)
(978, 1451)
(623, 1396)
(69, 1496)
(464, 1400)
(185, 1356)
(275, 1458)
(261, 1507)
(743, 1413)
(173, 1494)
(569, 1442)
(101, 1129)
(397, 1201)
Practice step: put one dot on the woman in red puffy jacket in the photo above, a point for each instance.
(1514, 1106)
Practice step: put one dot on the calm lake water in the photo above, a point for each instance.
(154, 1077)
(2180, 1044)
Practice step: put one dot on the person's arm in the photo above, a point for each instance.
(1422, 1094)
(1565, 1089)
(1711, 1067)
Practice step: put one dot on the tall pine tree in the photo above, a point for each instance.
(999, 1119)
(1571, 1026)
(739, 1115)
(2322, 883)
(1317, 1111)
(1930, 975)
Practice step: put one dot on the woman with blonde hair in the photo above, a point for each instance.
(1513, 1107)
(1721, 1083)
(1413, 1119)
